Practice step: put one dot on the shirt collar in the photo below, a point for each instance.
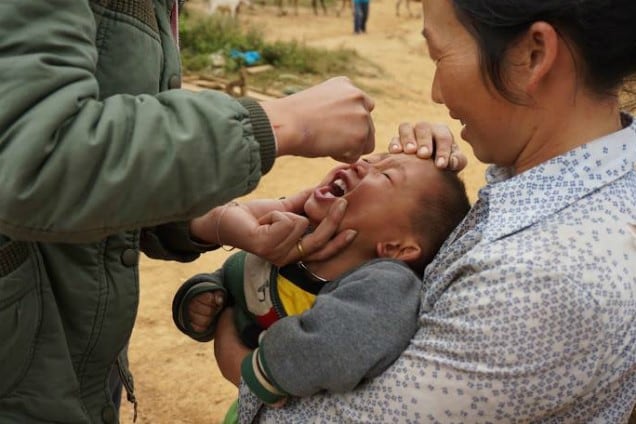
(516, 202)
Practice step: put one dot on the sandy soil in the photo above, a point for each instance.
(176, 379)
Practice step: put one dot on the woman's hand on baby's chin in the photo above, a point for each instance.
(423, 139)
(274, 230)
(325, 241)
(284, 237)
(321, 243)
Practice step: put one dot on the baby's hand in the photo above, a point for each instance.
(203, 309)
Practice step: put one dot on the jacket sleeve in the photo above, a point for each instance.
(172, 241)
(351, 333)
(76, 168)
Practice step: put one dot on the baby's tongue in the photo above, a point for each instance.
(327, 191)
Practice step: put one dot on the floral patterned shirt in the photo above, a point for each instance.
(528, 312)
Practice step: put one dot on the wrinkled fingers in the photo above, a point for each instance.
(277, 237)
(323, 242)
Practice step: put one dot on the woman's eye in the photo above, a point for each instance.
(366, 160)
(386, 175)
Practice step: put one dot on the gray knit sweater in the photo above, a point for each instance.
(359, 325)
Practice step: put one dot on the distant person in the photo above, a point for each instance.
(360, 16)
(402, 208)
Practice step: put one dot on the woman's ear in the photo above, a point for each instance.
(537, 53)
(407, 251)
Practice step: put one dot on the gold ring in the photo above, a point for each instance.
(299, 247)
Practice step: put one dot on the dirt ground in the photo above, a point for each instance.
(177, 380)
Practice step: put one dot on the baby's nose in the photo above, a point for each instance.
(361, 168)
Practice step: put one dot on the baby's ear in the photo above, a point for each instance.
(407, 251)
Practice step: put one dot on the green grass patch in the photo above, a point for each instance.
(294, 62)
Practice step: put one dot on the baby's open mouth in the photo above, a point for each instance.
(341, 184)
(338, 187)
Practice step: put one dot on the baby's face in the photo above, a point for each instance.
(383, 193)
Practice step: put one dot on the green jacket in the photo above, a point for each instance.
(94, 166)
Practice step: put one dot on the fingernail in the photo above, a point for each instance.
(219, 299)
(441, 162)
(423, 151)
(342, 205)
(410, 145)
(453, 162)
(351, 234)
(394, 148)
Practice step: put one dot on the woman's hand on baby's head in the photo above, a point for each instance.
(425, 140)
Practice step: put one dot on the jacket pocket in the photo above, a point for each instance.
(20, 312)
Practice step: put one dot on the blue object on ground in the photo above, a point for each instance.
(249, 57)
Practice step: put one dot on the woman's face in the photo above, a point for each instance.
(491, 123)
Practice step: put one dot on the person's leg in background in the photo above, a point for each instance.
(365, 16)
(357, 17)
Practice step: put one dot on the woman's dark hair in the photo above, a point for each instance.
(602, 32)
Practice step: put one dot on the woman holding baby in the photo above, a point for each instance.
(527, 312)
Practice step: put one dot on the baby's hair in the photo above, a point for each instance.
(441, 209)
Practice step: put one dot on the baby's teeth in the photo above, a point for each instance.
(341, 184)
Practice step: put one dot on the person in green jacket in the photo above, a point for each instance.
(103, 156)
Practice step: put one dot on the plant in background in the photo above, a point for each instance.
(203, 36)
